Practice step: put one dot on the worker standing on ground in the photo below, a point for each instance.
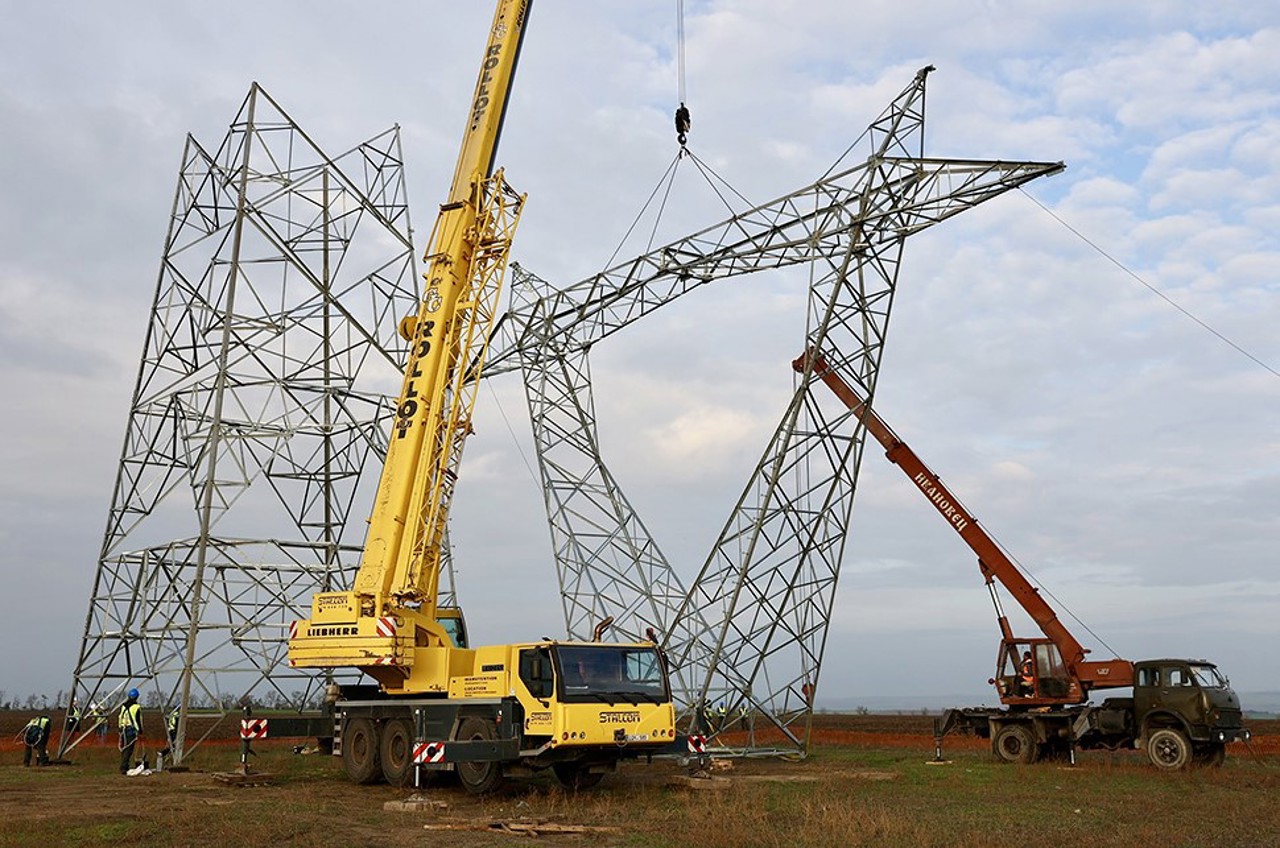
(130, 729)
(35, 737)
(73, 717)
(171, 726)
(98, 715)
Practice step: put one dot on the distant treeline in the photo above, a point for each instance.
(152, 699)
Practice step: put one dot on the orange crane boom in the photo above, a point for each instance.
(1081, 674)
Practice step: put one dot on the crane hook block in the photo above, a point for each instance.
(683, 122)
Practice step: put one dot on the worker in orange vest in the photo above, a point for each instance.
(1027, 675)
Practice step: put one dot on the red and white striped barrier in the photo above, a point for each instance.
(253, 728)
(428, 752)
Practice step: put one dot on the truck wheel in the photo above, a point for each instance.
(483, 777)
(1168, 749)
(1210, 755)
(360, 751)
(397, 751)
(576, 775)
(1014, 743)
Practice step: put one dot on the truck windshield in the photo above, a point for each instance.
(611, 674)
(1208, 677)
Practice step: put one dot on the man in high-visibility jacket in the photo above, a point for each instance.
(171, 726)
(35, 737)
(73, 717)
(130, 721)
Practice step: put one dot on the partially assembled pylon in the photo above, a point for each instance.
(259, 403)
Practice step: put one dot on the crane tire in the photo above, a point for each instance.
(478, 778)
(1168, 749)
(1015, 743)
(360, 751)
(396, 751)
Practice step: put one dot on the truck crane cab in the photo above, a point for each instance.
(1188, 712)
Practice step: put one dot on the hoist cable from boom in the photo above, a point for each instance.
(680, 50)
(1031, 577)
(1149, 286)
(683, 121)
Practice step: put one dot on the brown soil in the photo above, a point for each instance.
(309, 802)
(877, 730)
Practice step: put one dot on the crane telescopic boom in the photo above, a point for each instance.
(390, 611)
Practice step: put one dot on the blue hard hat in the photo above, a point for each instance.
(133, 693)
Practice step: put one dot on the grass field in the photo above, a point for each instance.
(843, 795)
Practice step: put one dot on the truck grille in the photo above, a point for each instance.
(1230, 718)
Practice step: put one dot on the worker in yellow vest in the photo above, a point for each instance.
(35, 737)
(73, 717)
(130, 721)
(171, 726)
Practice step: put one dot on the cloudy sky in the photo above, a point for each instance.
(1128, 456)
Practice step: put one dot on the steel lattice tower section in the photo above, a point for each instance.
(261, 400)
(749, 632)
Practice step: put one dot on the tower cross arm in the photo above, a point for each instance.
(884, 198)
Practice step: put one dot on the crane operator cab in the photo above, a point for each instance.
(455, 626)
(1032, 669)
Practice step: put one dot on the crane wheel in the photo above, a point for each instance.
(1168, 749)
(396, 751)
(360, 751)
(478, 778)
(1014, 743)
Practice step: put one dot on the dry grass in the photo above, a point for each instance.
(1104, 801)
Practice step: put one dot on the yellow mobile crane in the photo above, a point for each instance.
(488, 711)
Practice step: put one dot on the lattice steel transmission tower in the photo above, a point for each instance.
(748, 631)
(261, 399)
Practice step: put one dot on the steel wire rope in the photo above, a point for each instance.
(680, 49)
(668, 176)
(1154, 290)
(1150, 287)
(707, 173)
(1039, 584)
(514, 439)
(662, 207)
(664, 187)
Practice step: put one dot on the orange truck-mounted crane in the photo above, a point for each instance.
(1181, 711)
